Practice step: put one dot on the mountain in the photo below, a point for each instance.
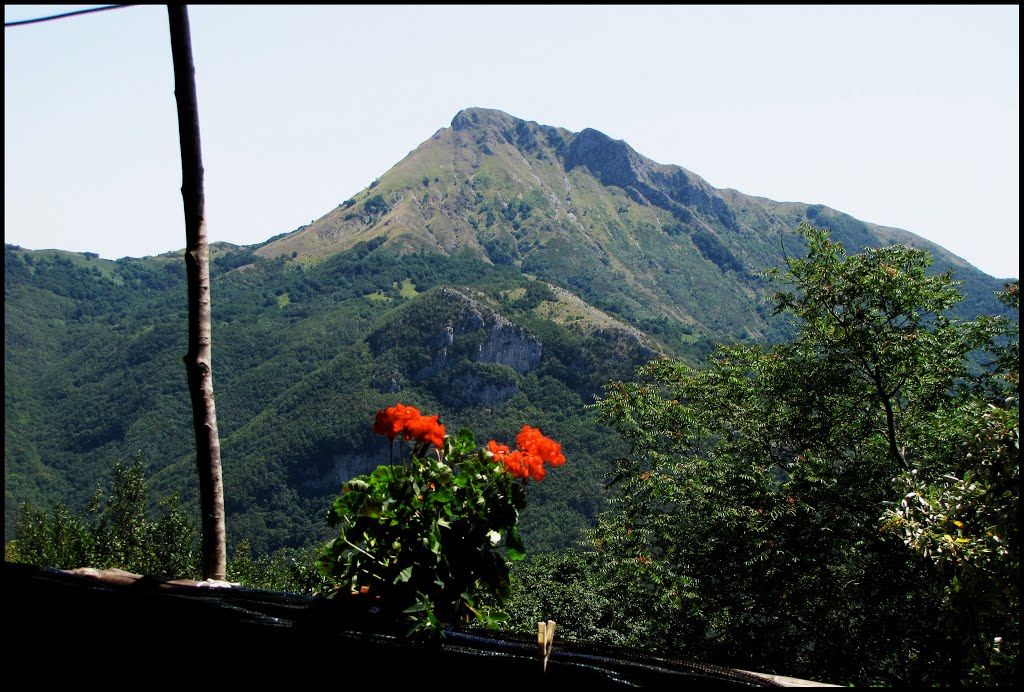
(498, 275)
(638, 239)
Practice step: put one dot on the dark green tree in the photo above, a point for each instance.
(120, 531)
(962, 515)
(286, 569)
(746, 525)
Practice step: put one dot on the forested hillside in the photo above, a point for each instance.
(304, 359)
(500, 274)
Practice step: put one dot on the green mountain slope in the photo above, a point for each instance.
(498, 275)
(304, 358)
(653, 244)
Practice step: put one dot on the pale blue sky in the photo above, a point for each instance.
(903, 116)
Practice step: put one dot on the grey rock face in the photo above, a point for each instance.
(612, 161)
(508, 344)
(503, 342)
(451, 327)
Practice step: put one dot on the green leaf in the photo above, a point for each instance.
(514, 544)
(464, 442)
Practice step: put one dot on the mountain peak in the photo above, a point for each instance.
(477, 118)
(579, 209)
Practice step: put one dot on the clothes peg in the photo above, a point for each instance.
(545, 642)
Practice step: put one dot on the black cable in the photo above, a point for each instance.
(62, 16)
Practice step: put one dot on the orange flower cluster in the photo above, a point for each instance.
(410, 423)
(528, 460)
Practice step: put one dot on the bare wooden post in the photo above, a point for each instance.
(197, 264)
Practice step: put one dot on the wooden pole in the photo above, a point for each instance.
(197, 264)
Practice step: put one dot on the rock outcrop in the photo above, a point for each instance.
(453, 330)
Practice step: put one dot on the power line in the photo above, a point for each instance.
(62, 16)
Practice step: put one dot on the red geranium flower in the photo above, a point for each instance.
(410, 423)
(528, 460)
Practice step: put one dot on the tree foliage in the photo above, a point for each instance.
(753, 523)
(286, 569)
(125, 530)
(116, 532)
(962, 515)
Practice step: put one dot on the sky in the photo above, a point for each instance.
(904, 116)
